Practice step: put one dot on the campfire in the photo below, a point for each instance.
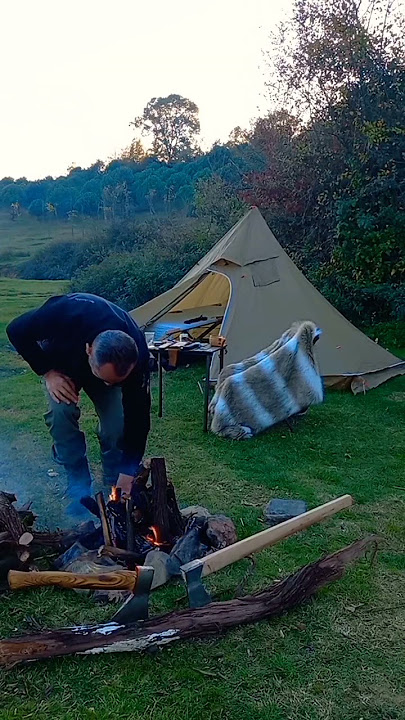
(148, 528)
(149, 519)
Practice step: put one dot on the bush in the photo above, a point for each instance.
(363, 305)
(55, 262)
(389, 335)
(133, 278)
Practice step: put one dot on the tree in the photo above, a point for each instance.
(173, 123)
(87, 203)
(334, 142)
(12, 193)
(135, 152)
(37, 208)
(328, 47)
(218, 202)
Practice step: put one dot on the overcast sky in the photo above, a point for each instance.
(73, 74)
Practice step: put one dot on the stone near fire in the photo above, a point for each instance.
(195, 511)
(220, 531)
(159, 561)
(278, 510)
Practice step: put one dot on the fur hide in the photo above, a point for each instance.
(280, 381)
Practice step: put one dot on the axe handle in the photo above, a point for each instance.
(266, 538)
(117, 580)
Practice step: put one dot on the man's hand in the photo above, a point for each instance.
(125, 483)
(61, 387)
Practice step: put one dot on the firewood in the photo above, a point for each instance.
(9, 517)
(26, 539)
(160, 510)
(118, 553)
(105, 522)
(176, 520)
(209, 620)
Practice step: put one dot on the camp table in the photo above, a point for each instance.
(201, 350)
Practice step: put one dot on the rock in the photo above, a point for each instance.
(220, 531)
(279, 510)
(159, 561)
(195, 511)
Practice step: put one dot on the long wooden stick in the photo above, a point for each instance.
(105, 523)
(266, 538)
(198, 622)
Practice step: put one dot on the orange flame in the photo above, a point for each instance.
(115, 495)
(155, 537)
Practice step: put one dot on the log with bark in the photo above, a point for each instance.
(14, 538)
(165, 511)
(210, 620)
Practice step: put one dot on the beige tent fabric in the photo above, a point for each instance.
(267, 294)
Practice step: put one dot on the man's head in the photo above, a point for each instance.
(112, 356)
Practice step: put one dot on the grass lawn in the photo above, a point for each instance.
(339, 657)
(21, 238)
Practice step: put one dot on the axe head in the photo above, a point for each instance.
(136, 607)
(198, 596)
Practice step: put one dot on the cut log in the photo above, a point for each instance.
(160, 510)
(143, 477)
(199, 622)
(26, 539)
(118, 553)
(10, 520)
(105, 523)
(176, 520)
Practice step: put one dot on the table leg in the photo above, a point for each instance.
(160, 379)
(221, 359)
(207, 390)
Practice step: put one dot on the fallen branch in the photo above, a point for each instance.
(199, 622)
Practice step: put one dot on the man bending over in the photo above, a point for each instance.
(83, 342)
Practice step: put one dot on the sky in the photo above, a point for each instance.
(74, 74)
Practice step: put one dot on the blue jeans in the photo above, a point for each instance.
(69, 444)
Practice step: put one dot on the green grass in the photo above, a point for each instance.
(339, 657)
(21, 238)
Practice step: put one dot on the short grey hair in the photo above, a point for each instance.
(117, 348)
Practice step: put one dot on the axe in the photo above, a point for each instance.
(138, 582)
(194, 571)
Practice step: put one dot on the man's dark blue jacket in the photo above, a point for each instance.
(54, 337)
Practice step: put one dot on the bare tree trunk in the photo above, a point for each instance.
(210, 620)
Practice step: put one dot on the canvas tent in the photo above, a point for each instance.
(248, 288)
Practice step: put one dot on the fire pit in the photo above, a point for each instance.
(148, 528)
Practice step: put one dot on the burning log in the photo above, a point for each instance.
(160, 509)
(165, 511)
(200, 622)
(105, 522)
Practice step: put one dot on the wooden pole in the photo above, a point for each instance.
(266, 538)
(210, 620)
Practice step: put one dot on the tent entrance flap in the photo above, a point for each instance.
(200, 312)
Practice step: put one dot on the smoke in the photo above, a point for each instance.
(24, 467)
